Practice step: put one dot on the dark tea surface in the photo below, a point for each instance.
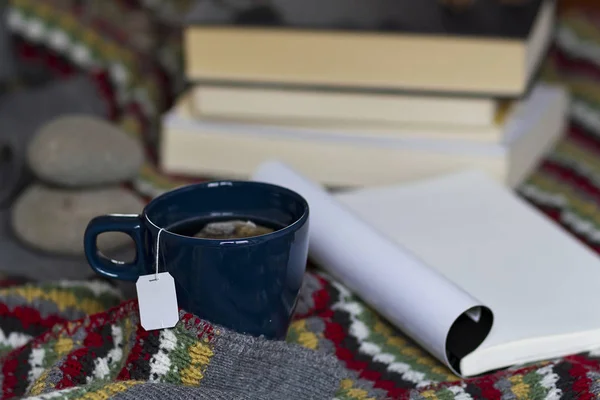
(230, 227)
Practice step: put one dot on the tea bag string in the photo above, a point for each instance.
(157, 255)
(157, 248)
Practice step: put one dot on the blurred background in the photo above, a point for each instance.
(107, 104)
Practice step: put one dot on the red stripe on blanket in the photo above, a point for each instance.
(571, 65)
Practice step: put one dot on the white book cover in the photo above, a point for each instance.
(463, 242)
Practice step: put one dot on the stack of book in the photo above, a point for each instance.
(364, 92)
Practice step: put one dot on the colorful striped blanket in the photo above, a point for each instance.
(78, 340)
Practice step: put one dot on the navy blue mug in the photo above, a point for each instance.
(250, 285)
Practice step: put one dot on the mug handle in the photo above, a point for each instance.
(129, 224)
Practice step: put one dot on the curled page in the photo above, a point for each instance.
(444, 319)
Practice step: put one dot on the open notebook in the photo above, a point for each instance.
(478, 277)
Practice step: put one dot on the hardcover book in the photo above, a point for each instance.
(489, 48)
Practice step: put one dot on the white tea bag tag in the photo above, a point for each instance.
(157, 301)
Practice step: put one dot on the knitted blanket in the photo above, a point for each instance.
(79, 340)
(69, 343)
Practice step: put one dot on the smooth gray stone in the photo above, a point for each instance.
(54, 219)
(18, 260)
(82, 151)
(23, 112)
